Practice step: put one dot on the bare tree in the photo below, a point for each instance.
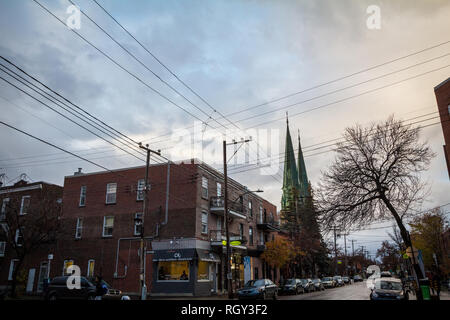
(26, 233)
(375, 177)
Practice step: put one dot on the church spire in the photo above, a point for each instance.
(302, 175)
(290, 174)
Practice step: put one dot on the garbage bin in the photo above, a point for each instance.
(425, 288)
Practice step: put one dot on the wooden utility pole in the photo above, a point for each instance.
(143, 287)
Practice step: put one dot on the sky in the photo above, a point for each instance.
(237, 56)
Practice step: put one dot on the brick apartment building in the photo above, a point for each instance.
(22, 206)
(442, 92)
(184, 229)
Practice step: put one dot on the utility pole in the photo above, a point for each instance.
(353, 247)
(227, 234)
(143, 287)
(345, 253)
(334, 229)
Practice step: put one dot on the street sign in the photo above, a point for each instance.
(339, 262)
(50, 257)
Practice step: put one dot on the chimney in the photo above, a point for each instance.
(78, 172)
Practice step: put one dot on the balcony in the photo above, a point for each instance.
(217, 206)
(268, 225)
(218, 238)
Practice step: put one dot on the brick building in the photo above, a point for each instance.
(442, 92)
(184, 229)
(23, 207)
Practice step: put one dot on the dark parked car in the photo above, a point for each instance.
(328, 282)
(339, 281)
(388, 289)
(292, 286)
(357, 278)
(318, 285)
(308, 285)
(385, 274)
(58, 289)
(112, 294)
(258, 289)
(347, 280)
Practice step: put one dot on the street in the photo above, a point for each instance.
(355, 291)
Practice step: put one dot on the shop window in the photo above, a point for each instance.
(203, 271)
(67, 264)
(173, 270)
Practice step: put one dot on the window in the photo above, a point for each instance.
(250, 235)
(90, 268)
(12, 267)
(137, 224)
(19, 237)
(108, 224)
(203, 271)
(111, 190)
(25, 205)
(204, 187)
(2, 248)
(204, 222)
(260, 214)
(67, 264)
(261, 238)
(82, 196)
(173, 270)
(449, 109)
(4, 210)
(250, 208)
(241, 230)
(140, 189)
(256, 274)
(219, 189)
(79, 229)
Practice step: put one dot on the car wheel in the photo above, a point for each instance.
(52, 297)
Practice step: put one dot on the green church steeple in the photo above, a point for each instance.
(290, 175)
(302, 175)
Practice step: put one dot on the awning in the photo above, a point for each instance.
(174, 255)
(206, 255)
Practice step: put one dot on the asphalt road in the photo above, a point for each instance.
(354, 291)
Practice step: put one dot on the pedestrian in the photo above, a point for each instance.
(100, 288)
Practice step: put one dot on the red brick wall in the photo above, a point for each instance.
(442, 93)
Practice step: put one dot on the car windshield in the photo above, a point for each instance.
(255, 283)
(304, 280)
(327, 279)
(290, 281)
(336, 277)
(388, 285)
(316, 280)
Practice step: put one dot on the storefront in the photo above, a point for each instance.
(184, 272)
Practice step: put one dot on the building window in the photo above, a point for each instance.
(241, 230)
(205, 187)
(219, 189)
(204, 222)
(449, 109)
(90, 268)
(173, 270)
(111, 191)
(5, 204)
(2, 248)
(250, 208)
(261, 238)
(12, 267)
(137, 224)
(25, 205)
(67, 264)
(256, 274)
(203, 271)
(19, 237)
(250, 235)
(83, 196)
(79, 230)
(108, 224)
(140, 189)
(260, 214)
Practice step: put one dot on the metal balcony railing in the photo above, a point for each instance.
(269, 224)
(220, 235)
(218, 204)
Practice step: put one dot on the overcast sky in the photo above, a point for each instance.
(235, 55)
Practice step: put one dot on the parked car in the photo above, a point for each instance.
(328, 282)
(258, 289)
(318, 285)
(308, 285)
(292, 286)
(339, 281)
(112, 294)
(388, 289)
(347, 280)
(58, 289)
(357, 278)
(385, 274)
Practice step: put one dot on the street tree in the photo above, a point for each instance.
(375, 177)
(389, 255)
(27, 233)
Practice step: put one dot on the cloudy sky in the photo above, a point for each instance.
(238, 56)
